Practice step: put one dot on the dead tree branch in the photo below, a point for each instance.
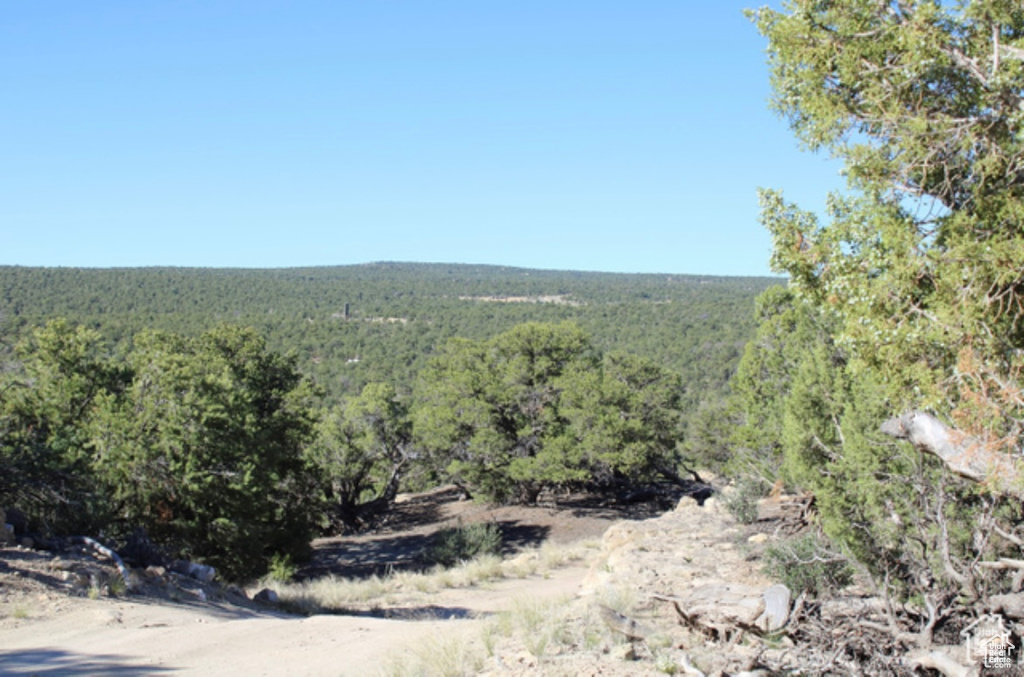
(968, 457)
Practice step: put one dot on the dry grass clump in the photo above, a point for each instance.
(334, 593)
(556, 637)
(548, 631)
(444, 655)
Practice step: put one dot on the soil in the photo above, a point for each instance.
(398, 543)
(58, 614)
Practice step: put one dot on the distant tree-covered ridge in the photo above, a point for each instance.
(353, 325)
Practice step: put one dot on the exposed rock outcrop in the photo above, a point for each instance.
(696, 575)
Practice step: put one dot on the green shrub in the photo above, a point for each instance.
(451, 546)
(282, 568)
(742, 503)
(806, 563)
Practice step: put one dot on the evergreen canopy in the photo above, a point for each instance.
(922, 260)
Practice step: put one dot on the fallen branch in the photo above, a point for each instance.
(623, 624)
(941, 660)
(1003, 563)
(96, 546)
(969, 457)
(1010, 605)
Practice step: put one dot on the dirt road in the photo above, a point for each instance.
(125, 637)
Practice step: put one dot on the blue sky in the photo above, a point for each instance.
(612, 136)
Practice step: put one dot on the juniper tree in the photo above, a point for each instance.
(922, 259)
(538, 406)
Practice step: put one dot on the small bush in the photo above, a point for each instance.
(807, 564)
(742, 503)
(282, 568)
(462, 543)
(117, 586)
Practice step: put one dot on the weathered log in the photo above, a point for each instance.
(725, 609)
(776, 608)
(789, 509)
(942, 659)
(844, 609)
(967, 456)
(631, 628)
(108, 553)
(1010, 605)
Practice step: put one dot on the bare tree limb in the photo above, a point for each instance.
(1003, 563)
(110, 554)
(969, 457)
(1012, 52)
(941, 660)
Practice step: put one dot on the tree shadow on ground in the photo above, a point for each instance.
(58, 662)
(13, 559)
(426, 612)
(419, 510)
(516, 536)
(376, 556)
(635, 504)
(400, 542)
(384, 554)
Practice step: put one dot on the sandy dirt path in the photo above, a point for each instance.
(113, 637)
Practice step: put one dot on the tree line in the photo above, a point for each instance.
(398, 314)
(223, 451)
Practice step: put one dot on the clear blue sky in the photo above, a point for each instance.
(612, 136)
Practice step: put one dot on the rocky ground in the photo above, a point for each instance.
(613, 615)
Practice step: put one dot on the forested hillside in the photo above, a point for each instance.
(350, 325)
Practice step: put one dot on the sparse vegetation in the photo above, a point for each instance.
(463, 543)
(331, 593)
(742, 501)
(444, 655)
(282, 569)
(807, 564)
(666, 663)
(117, 586)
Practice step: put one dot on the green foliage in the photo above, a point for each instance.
(921, 261)
(624, 416)
(710, 437)
(203, 449)
(117, 586)
(787, 331)
(198, 440)
(281, 568)
(909, 296)
(157, 416)
(489, 414)
(399, 314)
(462, 543)
(812, 421)
(361, 451)
(539, 407)
(807, 564)
(46, 401)
(742, 502)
